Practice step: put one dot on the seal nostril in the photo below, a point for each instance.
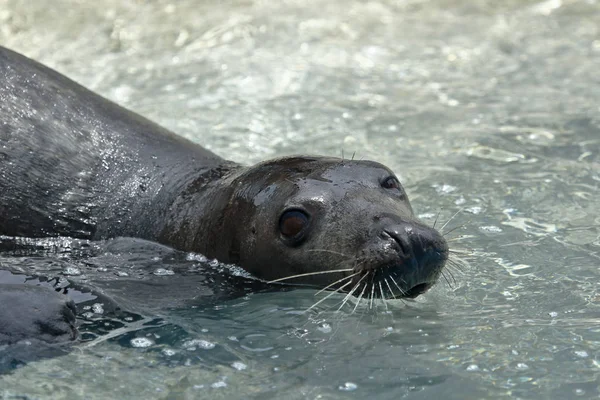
(403, 246)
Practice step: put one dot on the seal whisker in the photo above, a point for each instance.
(359, 298)
(398, 286)
(450, 264)
(389, 287)
(326, 297)
(455, 228)
(310, 274)
(391, 291)
(372, 293)
(401, 279)
(451, 218)
(338, 281)
(382, 296)
(458, 262)
(451, 275)
(446, 279)
(456, 239)
(345, 300)
(458, 251)
(436, 218)
(455, 264)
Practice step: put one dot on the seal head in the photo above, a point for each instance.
(344, 224)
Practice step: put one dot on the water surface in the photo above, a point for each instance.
(481, 106)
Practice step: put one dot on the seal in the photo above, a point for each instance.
(45, 314)
(75, 164)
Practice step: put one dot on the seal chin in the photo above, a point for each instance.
(415, 291)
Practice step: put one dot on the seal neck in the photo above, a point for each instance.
(195, 217)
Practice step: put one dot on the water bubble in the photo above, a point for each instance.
(474, 210)
(256, 342)
(196, 257)
(348, 386)
(141, 342)
(200, 343)
(324, 327)
(163, 272)
(98, 308)
(72, 271)
(490, 228)
(240, 366)
(444, 188)
(169, 352)
(427, 215)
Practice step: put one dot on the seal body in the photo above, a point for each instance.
(35, 312)
(75, 164)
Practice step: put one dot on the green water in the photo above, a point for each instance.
(482, 106)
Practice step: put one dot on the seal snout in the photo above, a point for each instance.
(416, 241)
(404, 260)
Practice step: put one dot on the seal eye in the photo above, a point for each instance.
(391, 182)
(292, 224)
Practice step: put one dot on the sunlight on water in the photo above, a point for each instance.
(481, 106)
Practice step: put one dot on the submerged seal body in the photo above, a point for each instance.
(75, 164)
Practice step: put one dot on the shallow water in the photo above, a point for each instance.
(481, 106)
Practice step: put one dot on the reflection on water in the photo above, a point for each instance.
(489, 107)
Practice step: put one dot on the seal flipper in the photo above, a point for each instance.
(35, 312)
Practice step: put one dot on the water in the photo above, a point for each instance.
(489, 107)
